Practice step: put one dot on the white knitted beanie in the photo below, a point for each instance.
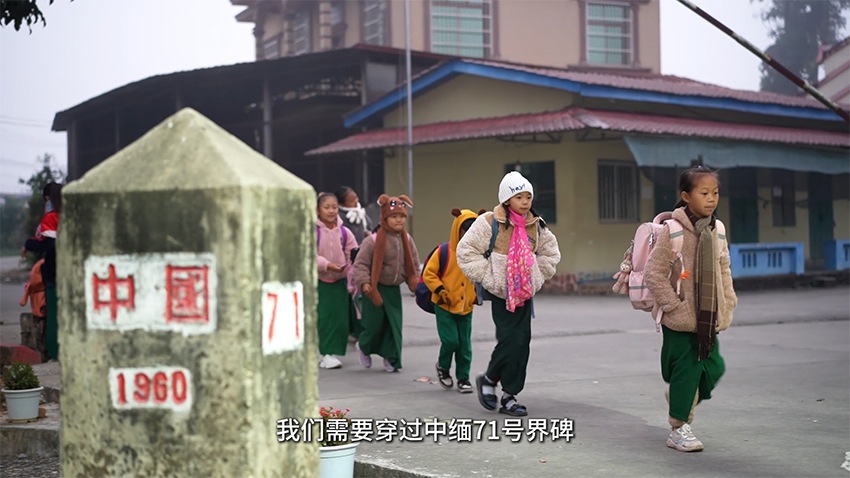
(512, 184)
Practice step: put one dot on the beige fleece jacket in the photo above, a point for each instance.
(491, 273)
(680, 312)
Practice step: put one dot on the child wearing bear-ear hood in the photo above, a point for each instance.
(386, 260)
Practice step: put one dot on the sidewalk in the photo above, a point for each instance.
(781, 410)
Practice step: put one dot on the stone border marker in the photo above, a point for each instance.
(187, 272)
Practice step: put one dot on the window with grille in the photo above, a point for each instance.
(271, 48)
(784, 213)
(375, 22)
(301, 33)
(619, 195)
(462, 27)
(542, 178)
(609, 34)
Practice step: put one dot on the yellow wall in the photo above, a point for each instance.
(467, 175)
(798, 233)
(466, 97)
(841, 213)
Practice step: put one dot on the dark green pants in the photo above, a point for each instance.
(333, 310)
(455, 333)
(354, 327)
(686, 374)
(51, 327)
(509, 360)
(381, 332)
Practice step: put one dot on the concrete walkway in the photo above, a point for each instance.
(782, 410)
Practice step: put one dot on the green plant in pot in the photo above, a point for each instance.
(336, 452)
(22, 391)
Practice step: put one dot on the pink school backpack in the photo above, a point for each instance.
(630, 278)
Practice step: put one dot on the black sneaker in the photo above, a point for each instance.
(463, 386)
(444, 377)
(512, 408)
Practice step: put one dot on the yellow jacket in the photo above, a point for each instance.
(461, 291)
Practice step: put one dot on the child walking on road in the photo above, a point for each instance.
(690, 353)
(44, 244)
(386, 260)
(453, 295)
(524, 254)
(334, 243)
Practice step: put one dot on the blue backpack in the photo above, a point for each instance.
(423, 294)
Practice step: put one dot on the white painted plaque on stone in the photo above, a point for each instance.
(171, 292)
(283, 317)
(160, 387)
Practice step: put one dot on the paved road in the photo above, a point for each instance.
(782, 410)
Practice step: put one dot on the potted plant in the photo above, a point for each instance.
(336, 450)
(22, 391)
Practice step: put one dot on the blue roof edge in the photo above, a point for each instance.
(456, 67)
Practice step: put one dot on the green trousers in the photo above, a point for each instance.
(509, 360)
(381, 332)
(354, 327)
(686, 374)
(333, 310)
(455, 333)
(51, 327)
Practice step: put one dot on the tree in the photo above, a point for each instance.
(36, 182)
(13, 213)
(798, 28)
(20, 11)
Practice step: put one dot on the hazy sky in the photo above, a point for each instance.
(90, 47)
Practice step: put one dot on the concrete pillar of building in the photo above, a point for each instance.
(186, 272)
(325, 31)
(288, 39)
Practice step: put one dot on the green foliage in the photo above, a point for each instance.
(327, 414)
(797, 28)
(19, 11)
(20, 376)
(13, 214)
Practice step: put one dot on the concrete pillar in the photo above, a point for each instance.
(288, 37)
(325, 30)
(187, 310)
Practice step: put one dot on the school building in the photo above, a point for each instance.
(604, 151)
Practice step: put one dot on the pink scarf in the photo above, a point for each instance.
(519, 263)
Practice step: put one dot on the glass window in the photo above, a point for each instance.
(541, 175)
(619, 196)
(301, 32)
(271, 48)
(461, 27)
(609, 34)
(374, 17)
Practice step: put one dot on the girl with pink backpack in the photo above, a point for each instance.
(701, 308)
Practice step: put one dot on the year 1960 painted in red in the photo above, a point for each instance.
(161, 387)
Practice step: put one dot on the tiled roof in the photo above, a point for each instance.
(573, 119)
(653, 82)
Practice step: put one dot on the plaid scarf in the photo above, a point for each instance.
(706, 292)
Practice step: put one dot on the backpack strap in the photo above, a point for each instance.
(721, 230)
(494, 231)
(343, 239)
(677, 240)
(444, 258)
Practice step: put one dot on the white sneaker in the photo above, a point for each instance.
(329, 361)
(683, 439)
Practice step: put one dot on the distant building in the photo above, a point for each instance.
(609, 34)
(604, 153)
(835, 60)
